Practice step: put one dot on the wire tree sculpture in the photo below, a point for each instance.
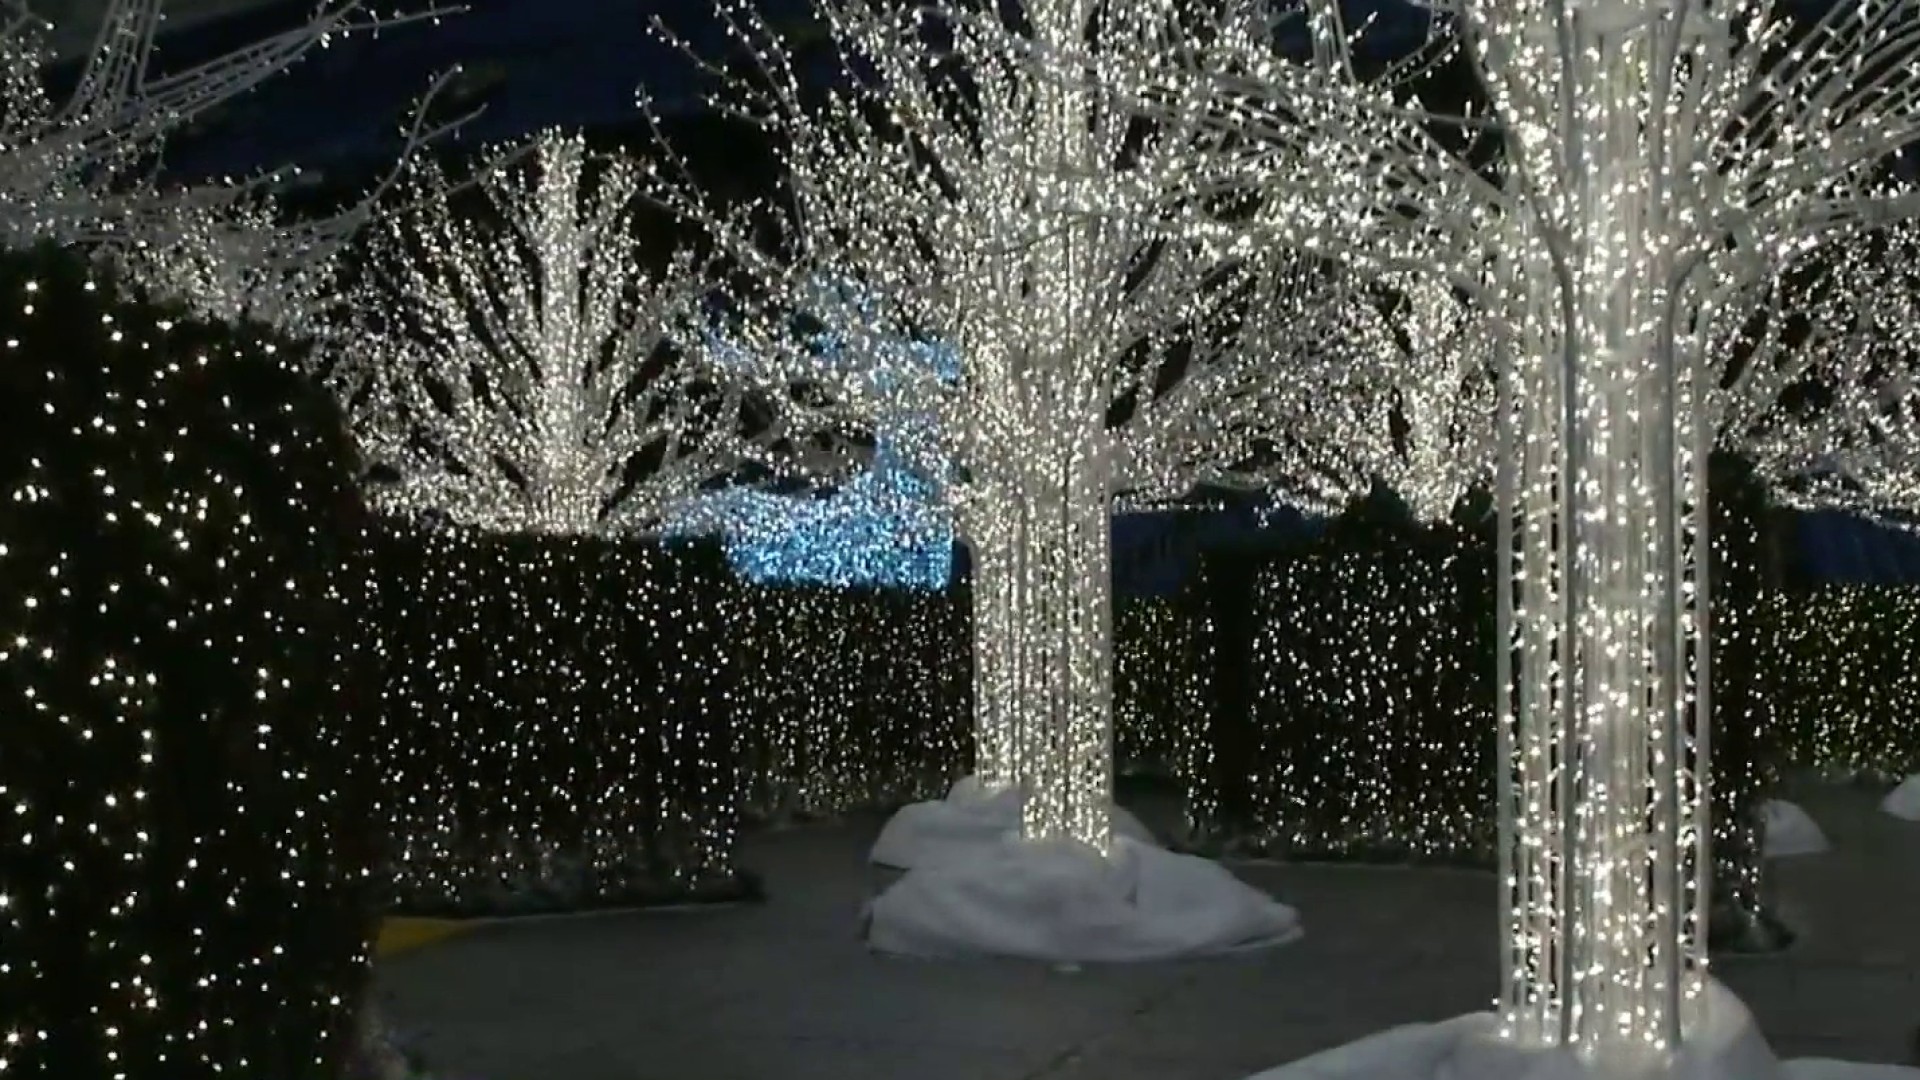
(1659, 163)
(1096, 355)
(1658, 160)
(1821, 383)
(80, 167)
(516, 368)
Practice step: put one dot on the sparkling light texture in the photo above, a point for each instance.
(851, 699)
(184, 881)
(1820, 383)
(561, 719)
(1097, 355)
(1650, 166)
(1407, 407)
(1848, 678)
(516, 370)
(821, 743)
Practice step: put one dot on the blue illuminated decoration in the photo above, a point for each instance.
(888, 526)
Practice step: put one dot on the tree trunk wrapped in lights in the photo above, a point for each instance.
(1098, 355)
(1661, 158)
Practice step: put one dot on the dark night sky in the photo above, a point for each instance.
(551, 62)
(573, 63)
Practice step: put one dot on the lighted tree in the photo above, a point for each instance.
(1658, 161)
(514, 368)
(1097, 355)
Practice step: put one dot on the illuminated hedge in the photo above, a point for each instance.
(1353, 716)
(861, 699)
(1161, 670)
(852, 699)
(1350, 709)
(560, 721)
(183, 883)
(1849, 682)
(1746, 744)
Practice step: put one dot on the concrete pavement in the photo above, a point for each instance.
(785, 990)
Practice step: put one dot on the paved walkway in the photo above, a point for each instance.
(785, 991)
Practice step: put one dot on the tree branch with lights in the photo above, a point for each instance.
(521, 368)
(81, 167)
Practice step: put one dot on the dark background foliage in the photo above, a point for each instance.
(185, 871)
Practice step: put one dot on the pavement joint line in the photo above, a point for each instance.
(580, 916)
(1074, 1053)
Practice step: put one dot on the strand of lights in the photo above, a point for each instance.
(951, 185)
(185, 881)
(557, 720)
(518, 373)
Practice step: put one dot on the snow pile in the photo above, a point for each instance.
(1789, 831)
(969, 819)
(1061, 901)
(1728, 1046)
(1904, 801)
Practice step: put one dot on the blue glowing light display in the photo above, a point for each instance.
(887, 527)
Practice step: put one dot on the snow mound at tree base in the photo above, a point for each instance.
(968, 820)
(1904, 801)
(1063, 902)
(1728, 1046)
(1789, 830)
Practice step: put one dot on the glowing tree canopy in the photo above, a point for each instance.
(1820, 384)
(1096, 355)
(1658, 164)
(887, 526)
(1409, 408)
(521, 369)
